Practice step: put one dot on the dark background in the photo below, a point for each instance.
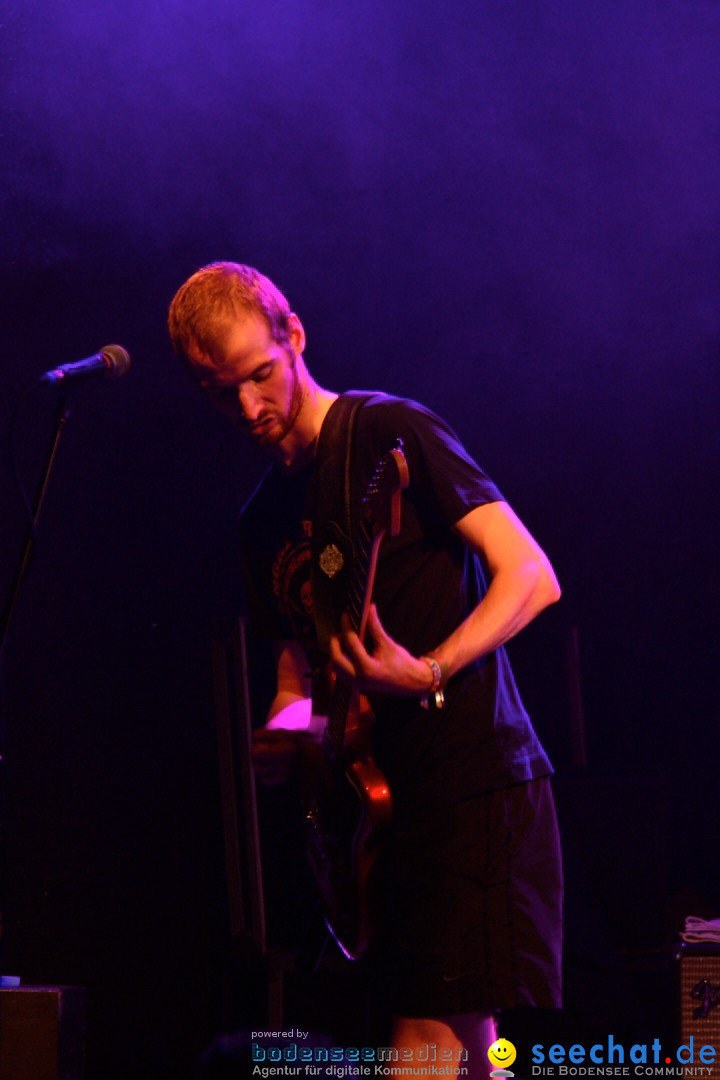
(508, 210)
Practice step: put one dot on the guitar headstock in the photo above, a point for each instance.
(382, 500)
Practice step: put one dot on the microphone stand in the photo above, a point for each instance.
(63, 415)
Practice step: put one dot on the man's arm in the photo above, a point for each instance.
(293, 675)
(275, 751)
(522, 584)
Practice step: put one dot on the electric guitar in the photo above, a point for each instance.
(347, 803)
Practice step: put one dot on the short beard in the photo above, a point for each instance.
(298, 396)
(297, 400)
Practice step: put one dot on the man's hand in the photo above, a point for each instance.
(386, 668)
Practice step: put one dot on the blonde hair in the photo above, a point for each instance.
(204, 307)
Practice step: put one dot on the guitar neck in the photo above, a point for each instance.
(381, 516)
(360, 591)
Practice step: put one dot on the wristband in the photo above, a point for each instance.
(439, 672)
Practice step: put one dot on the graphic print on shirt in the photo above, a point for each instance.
(291, 584)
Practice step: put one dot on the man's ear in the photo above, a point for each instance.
(296, 334)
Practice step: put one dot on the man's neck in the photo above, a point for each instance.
(299, 446)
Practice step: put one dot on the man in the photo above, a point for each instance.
(473, 856)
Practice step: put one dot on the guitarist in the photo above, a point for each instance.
(473, 855)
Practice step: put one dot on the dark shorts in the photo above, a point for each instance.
(476, 923)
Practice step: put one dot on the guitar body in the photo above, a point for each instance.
(347, 808)
(347, 804)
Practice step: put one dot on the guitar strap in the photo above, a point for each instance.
(332, 517)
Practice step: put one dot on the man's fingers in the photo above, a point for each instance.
(349, 635)
(375, 627)
(350, 658)
(340, 661)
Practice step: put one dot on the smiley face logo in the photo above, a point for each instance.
(502, 1054)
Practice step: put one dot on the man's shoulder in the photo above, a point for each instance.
(436, 456)
(385, 415)
(381, 408)
(378, 399)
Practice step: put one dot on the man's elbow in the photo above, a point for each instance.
(547, 588)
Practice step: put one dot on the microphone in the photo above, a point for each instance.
(112, 361)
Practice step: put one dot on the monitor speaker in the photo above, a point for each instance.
(699, 995)
(42, 1031)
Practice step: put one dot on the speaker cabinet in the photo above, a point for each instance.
(42, 1030)
(699, 994)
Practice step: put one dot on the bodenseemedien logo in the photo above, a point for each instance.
(293, 1058)
(611, 1058)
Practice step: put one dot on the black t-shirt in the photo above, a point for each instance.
(427, 583)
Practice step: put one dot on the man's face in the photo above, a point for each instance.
(253, 379)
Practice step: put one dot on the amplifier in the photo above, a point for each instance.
(699, 965)
(42, 1032)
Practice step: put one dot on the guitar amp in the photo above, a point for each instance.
(42, 1033)
(699, 983)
